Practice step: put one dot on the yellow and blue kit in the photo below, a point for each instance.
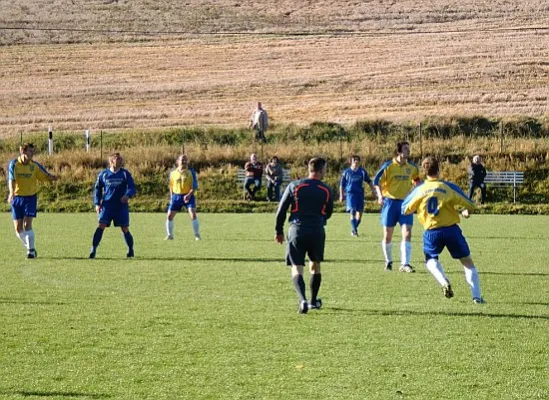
(395, 182)
(26, 176)
(181, 183)
(435, 202)
(25, 188)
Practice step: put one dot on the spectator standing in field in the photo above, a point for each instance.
(259, 122)
(274, 175)
(351, 188)
(477, 173)
(183, 185)
(23, 177)
(254, 173)
(393, 182)
(311, 204)
(113, 189)
(435, 202)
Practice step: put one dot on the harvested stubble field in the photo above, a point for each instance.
(411, 59)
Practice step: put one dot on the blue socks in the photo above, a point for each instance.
(97, 236)
(129, 240)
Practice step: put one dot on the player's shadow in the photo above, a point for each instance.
(410, 313)
(4, 300)
(37, 393)
(481, 273)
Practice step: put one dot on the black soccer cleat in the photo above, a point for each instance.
(447, 291)
(32, 254)
(92, 253)
(130, 254)
(389, 266)
(316, 305)
(303, 307)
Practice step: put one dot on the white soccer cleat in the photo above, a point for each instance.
(197, 237)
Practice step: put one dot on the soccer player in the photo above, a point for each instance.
(435, 202)
(113, 189)
(312, 205)
(183, 184)
(23, 175)
(351, 188)
(393, 182)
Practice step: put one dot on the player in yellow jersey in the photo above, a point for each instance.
(394, 180)
(23, 176)
(183, 185)
(435, 202)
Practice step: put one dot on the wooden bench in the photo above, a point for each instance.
(241, 178)
(505, 178)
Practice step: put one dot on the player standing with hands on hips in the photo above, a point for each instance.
(183, 184)
(311, 204)
(113, 189)
(393, 182)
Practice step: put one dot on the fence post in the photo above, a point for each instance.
(501, 137)
(21, 138)
(101, 144)
(50, 141)
(420, 142)
(87, 140)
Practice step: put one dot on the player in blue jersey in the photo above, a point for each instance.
(393, 182)
(183, 185)
(113, 189)
(435, 202)
(23, 176)
(351, 188)
(311, 204)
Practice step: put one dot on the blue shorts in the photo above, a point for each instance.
(119, 214)
(24, 206)
(451, 237)
(177, 203)
(391, 214)
(354, 202)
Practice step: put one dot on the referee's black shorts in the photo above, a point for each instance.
(304, 241)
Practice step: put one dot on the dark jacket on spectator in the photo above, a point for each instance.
(477, 173)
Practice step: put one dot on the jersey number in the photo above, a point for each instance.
(432, 206)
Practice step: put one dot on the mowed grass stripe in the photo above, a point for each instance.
(217, 319)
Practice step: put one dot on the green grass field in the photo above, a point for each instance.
(217, 319)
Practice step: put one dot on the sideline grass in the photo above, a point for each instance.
(217, 319)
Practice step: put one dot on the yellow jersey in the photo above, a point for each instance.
(182, 182)
(395, 180)
(26, 176)
(435, 202)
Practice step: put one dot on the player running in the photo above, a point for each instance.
(435, 202)
(351, 188)
(312, 205)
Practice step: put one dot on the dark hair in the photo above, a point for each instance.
(26, 146)
(430, 166)
(399, 146)
(355, 157)
(274, 158)
(316, 164)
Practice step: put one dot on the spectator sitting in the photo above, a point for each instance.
(274, 175)
(477, 173)
(254, 172)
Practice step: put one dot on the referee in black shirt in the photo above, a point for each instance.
(311, 205)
